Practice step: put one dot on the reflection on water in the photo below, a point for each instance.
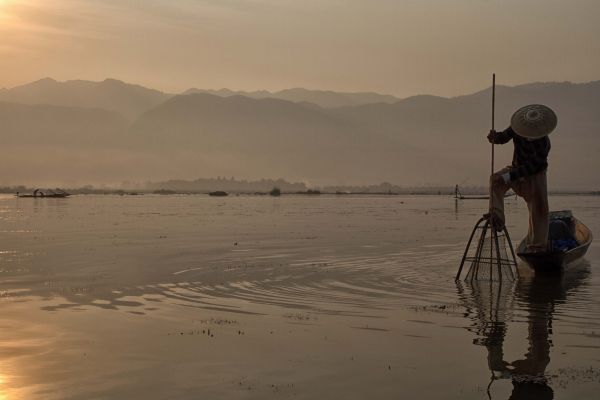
(110, 296)
(489, 306)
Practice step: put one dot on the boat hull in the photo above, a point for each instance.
(218, 193)
(48, 196)
(557, 261)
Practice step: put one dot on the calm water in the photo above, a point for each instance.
(186, 297)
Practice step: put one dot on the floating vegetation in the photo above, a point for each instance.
(299, 316)
(566, 376)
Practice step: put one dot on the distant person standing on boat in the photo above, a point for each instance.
(529, 129)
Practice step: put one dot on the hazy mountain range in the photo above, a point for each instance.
(321, 98)
(132, 100)
(110, 94)
(107, 132)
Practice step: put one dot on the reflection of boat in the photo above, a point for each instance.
(56, 193)
(568, 241)
(218, 193)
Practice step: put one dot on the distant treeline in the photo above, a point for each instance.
(388, 188)
(265, 186)
(202, 185)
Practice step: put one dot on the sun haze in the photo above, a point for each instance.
(399, 47)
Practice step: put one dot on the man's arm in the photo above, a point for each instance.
(537, 161)
(501, 137)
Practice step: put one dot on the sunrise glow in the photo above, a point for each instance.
(276, 199)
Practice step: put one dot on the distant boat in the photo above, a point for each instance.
(164, 191)
(218, 193)
(310, 191)
(569, 240)
(47, 193)
(459, 196)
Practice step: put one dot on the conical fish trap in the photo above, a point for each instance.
(492, 258)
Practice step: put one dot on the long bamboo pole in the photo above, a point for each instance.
(493, 118)
(492, 225)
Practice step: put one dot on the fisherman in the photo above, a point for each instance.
(529, 129)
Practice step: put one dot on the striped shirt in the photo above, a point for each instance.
(529, 157)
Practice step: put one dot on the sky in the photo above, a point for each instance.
(400, 47)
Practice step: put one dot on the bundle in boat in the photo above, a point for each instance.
(568, 241)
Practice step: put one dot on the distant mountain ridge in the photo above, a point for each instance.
(322, 98)
(111, 94)
(132, 100)
(420, 140)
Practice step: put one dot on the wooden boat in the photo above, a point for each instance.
(57, 193)
(564, 228)
(459, 196)
(218, 193)
(474, 197)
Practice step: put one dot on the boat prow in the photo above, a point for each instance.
(569, 240)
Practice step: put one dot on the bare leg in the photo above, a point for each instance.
(537, 238)
(497, 198)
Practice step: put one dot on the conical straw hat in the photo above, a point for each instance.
(533, 121)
